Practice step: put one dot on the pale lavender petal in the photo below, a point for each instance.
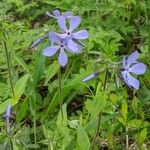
(72, 46)
(124, 62)
(132, 58)
(83, 34)
(138, 68)
(8, 111)
(79, 49)
(124, 75)
(67, 14)
(56, 13)
(62, 58)
(132, 81)
(37, 42)
(74, 22)
(53, 37)
(90, 77)
(50, 15)
(62, 23)
(62, 35)
(50, 51)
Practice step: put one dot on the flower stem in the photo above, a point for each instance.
(59, 91)
(97, 132)
(99, 116)
(8, 65)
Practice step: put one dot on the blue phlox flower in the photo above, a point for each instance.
(132, 66)
(56, 13)
(91, 76)
(74, 22)
(36, 42)
(8, 113)
(60, 45)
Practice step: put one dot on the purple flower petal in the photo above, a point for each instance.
(50, 51)
(138, 68)
(62, 23)
(124, 75)
(62, 58)
(90, 77)
(132, 81)
(72, 46)
(53, 37)
(62, 35)
(67, 14)
(8, 111)
(74, 22)
(56, 13)
(50, 15)
(132, 58)
(83, 34)
(124, 62)
(37, 42)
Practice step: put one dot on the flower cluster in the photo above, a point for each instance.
(67, 41)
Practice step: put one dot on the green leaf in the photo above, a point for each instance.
(124, 109)
(4, 105)
(96, 105)
(82, 139)
(23, 110)
(4, 90)
(143, 135)
(62, 117)
(21, 61)
(52, 70)
(39, 68)
(20, 86)
(135, 123)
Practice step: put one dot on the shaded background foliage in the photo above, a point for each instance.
(116, 28)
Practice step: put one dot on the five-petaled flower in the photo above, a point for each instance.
(57, 44)
(74, 22)
(131, 65)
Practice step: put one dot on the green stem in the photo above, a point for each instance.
(97, 132)
(59, 91)
(34, 119)
(99, 116)
(9, 67)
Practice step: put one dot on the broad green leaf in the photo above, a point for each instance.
(62, 117)
(82, 139)
(96, 105)
(39, 68)
(135, 123)
(23, 109)
(143, 136)
(52, 70)
(20, 86)
(21, 61)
